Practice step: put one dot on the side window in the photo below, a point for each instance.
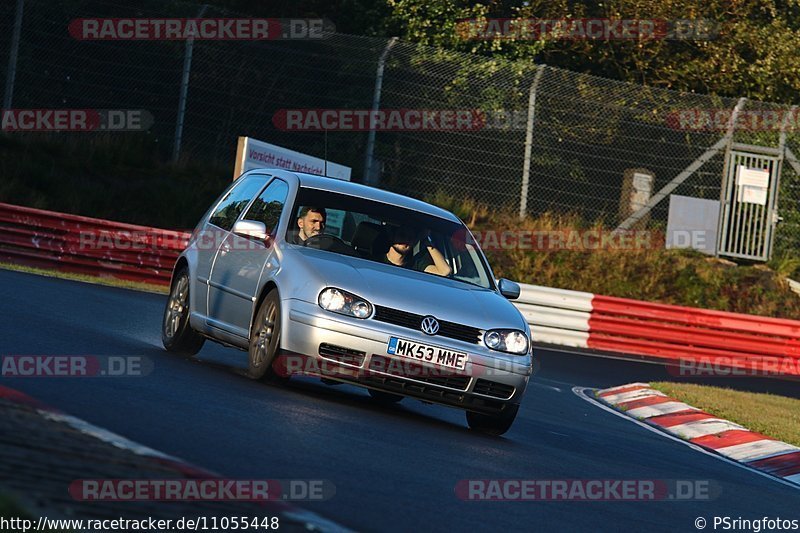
(235, 201)
(268, 206)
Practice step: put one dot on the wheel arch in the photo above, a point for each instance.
(182, 262)
(266, 289)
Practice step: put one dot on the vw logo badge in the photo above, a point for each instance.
(430, 325)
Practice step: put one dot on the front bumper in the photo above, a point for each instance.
(346, 349)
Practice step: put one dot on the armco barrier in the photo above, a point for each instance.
(83, 245)
(559, 316)
(659, 332)
(668, 333)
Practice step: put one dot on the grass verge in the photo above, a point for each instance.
(110, 282)
(774, 416)
(10, 509)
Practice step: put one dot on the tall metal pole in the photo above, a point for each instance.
(774, 216)
(187, 68)
(526, 169)
(376, 102)
(12, 57)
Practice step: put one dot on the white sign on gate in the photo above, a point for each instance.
(752, 185)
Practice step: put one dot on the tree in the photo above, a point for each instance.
(752, 52)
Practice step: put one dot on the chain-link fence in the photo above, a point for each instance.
(579, 138)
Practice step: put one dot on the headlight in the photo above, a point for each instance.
(344, 303)
(507, 340)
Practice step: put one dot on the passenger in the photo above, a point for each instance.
(400, 253)
(310, 222)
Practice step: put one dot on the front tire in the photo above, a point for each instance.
(493, 424)
(265, 337)
(177, 334)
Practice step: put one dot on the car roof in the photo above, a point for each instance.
(371, 193)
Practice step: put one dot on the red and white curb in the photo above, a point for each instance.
(723, 437)
(310, 520)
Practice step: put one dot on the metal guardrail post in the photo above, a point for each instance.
(526, 169)
(776, 218)
(187, 68)
(376, 102)
(12, 57)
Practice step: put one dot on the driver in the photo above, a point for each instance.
(310, 222)
(400, 253)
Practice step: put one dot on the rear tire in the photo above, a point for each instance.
(265, 338)
(177, 334)
(386, 398)
(493, 424)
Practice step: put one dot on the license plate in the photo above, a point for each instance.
(426, 353)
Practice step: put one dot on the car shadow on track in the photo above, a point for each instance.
(303, 388)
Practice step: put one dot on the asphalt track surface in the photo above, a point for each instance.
(394, 468)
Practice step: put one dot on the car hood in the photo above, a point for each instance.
(415, 292)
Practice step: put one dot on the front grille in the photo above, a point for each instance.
(414, 321)
(494, 389)
(341, 354)
(408, 370)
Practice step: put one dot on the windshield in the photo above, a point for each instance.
(388, 234)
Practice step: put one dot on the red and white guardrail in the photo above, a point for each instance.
(84, 245)
(666, 333)
(697, 338)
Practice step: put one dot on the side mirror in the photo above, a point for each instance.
(508, 288)
(251, 228)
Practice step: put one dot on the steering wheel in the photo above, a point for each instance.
(326, 241)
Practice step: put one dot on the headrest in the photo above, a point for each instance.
(366, 237)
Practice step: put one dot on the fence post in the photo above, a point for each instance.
(376, 102)
(187, 68)
(526, 169)
(8, 96)
(730, 131)
(775, 215)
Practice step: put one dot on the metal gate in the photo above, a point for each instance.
(749, 204)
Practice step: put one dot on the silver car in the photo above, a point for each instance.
(352, 284)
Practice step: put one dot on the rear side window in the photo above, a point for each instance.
(235, 201)
(268, 206)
